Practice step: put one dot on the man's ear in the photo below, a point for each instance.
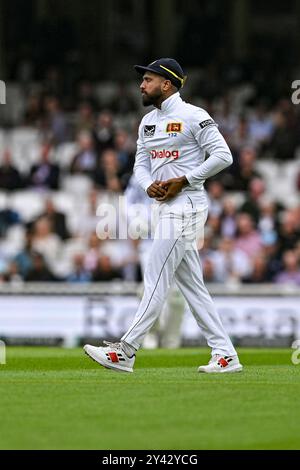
(166, 85)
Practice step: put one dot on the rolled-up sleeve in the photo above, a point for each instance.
(211, 141)
(142, 166)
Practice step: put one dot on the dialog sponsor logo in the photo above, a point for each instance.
(174, 154)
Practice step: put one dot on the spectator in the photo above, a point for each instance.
(261, 126)
(105, 271)
(33, 115)
(85, 118)
(228, 225)
(44, 175)
(12, 274)
(122, 255)
(208, 270)
(260, 271)
(240, 138)
(40, 272)
(92, 254)
(270, 251)
(246, 171)
(230, 263)
(206, 246)
(291, 270)
(8, 218)
(89, 220)
(215, 193)
(85, 161)
(10, 178)
(297, 249)
(214, 223)
(4, 262)
(248, 239)
(296, 214)
(79, 272)
(108, 172)
(251, 205)
(57, 220)
(45, 242)
(289, 231)
(285, 138)
(268, 219)
(56, 125)
(24, 259)
(125, 149)
(104, 131)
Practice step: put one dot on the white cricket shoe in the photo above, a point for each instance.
(112, 356)
(222, 364)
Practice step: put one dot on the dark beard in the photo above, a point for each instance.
(146, 101)
(151, 100)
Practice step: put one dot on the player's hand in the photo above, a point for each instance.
(173, 187)
(156, 190)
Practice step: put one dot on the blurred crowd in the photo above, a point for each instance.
(252, 234)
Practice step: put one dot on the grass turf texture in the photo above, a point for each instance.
(60, 399)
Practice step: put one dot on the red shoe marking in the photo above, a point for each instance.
(223, 362)
(113, 356)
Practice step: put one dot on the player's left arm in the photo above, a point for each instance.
(211, 141)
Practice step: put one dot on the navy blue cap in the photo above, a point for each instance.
(168, 68)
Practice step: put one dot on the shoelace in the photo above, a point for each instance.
(113, 345)
(119, 347)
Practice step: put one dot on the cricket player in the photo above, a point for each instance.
(170, 166)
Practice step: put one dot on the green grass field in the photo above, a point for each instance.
(59, 399)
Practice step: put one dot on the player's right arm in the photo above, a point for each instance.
(142, 169)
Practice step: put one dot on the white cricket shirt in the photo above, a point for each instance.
(174, 140)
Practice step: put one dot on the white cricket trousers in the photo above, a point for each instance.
(174, 257)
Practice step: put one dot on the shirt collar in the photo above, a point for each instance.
(170, 103)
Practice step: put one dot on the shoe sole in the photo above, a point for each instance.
(106, 366)
(232, 370)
